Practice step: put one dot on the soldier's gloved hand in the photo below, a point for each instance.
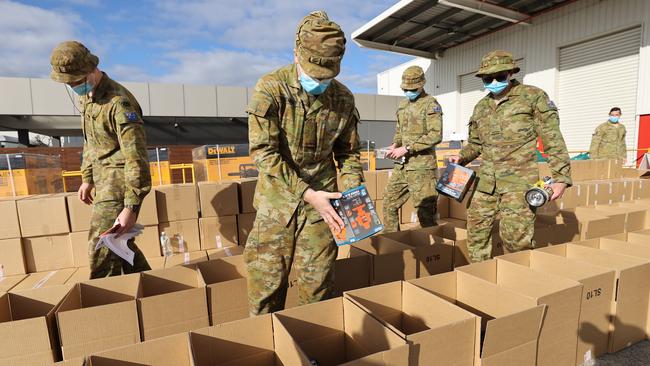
(84, 193)
(320, 200)
(127, 219)
(454, 159)
(558, 190)
(397, 153)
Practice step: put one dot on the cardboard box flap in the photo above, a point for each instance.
(443, 285)
(222, 269)
(392, 357)
(9, 282)
(33, 303)
(509, 331)
(380, 245)
(287, 349)
(163, 281)
(167, 351)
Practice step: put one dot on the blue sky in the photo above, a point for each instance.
(225, 42)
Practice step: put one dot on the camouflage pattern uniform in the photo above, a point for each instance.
(294, 139)
(114, 153)
(419, 128)
(505, 136)
(608, 142)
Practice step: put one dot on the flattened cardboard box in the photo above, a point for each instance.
(172, 350)
(176, 202)
(46, 253)
(9, 225)
(562, 297)
(630, 311)
(45, 279)
(510, 322)
(164, 292)
(219, 199)
(598, 286)
(43, 215)
(243, 342)
(189, 229)
(227, 289)
(439, 330)
(334, 332)
(434, 252)
(218, 232)
(12, 260)
(99, 314)
(27, 326)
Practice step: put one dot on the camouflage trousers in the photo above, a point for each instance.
(273, 250)
(516, 227)
(417, 184)
(103, 262)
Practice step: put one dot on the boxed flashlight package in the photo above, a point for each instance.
(455, 181)
(359, 216)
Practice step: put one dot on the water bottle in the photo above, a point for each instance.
(181, 243)
(165, 245)
(589, 360)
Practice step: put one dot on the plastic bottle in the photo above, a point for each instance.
(165, 245)
(181, 243)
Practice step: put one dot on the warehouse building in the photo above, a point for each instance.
(588, 55)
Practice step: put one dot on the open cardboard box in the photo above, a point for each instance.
(28, 334)
(598, 285)
(510, 322)
(227, 289)
(172, 300)
(80, 275)
(391, 260)
(433, 247)
(99, 314)
(187, 258)
(225, 252)
(436, 329)
(630, 311)
(334, 332)
(562, 297)
(574, 196)
(172, 350)
(636, 218)
(592, 224)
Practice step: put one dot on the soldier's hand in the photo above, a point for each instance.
(126, 219)
(320, 200)
(454, 159)
(558, 190)
(397, 153)
(84, 193)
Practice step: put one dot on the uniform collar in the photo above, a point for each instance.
(294, 80)
(101, 89)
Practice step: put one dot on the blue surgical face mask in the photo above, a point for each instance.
(83, 89)
(613, 119)
(412, 95)
(496, 87)
(313, 86)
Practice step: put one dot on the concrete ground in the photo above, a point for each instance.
(636, 355)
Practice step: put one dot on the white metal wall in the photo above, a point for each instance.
(594, 76)
(388, 82)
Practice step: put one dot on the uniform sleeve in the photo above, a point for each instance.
(133, 144)
(264, 140)
(433, 126)
(87, 164)
(347, 155)
(554, 145)
(474, 146)
(596, 138)
(397, 139)
(622, 155)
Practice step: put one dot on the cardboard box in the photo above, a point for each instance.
(218, 232)
(597, 296)
(391, 260)
(46, 253)
(334, 332)
(370, 181)
(382, 177)
(79, 243)
(245, 224)
(635, 218)
(574, 196)
(217, 163)
(9, 225)
(352, 270)
(12, 261)
(149, 210)
(28, 328)
(562, 297)
(219, 199)
(379, 207)
(510, 322)
(433, 247)
(458, 210)
(461, 224)
(629, 313)
(546, 235)
(79, 213)
(189, 229)
(592, 224)
(99, 314)
(167, 351)
(641, 189)
(408, 213)
(173, 300)
(156, 262)
(43, 215)
(80, 275)
(443, 206)
(149, 242)
(227, 290)
(246, 195)
(225, 252)
(439, 330)
(45, 279)
(9, 282)
(177, 202)
(638, 237)
(242, 342)
(78, 361)
(185, 259)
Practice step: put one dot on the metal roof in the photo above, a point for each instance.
(425, 28)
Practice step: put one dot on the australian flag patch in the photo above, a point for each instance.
(551, 104)
(437, 109)
(131, 116)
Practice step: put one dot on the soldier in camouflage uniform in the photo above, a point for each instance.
(300, 120)
(608, 141)
(503, 130)
(114, 154)
(419, 130)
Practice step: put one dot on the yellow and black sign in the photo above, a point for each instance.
(215, 163)
(25, 174)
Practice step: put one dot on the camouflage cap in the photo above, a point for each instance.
(495, 62)
(71, 61)
(320, 45)
(413, 78)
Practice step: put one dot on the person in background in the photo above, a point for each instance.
(608, 141)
